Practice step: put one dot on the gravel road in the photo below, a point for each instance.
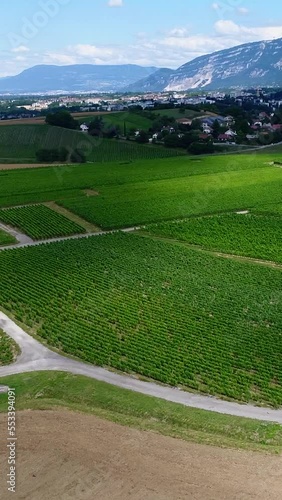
(36, 357)
(25, 241)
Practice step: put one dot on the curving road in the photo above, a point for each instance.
(36, 357)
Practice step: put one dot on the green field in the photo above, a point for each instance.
(20, 143)
(272, 208)
(149, 191)
(179, 197)
(167, 312)
(131, 120)
(6, 238)
(250, 235)
(44, 391)
(40, 222)
(8, 349)
(174, 113)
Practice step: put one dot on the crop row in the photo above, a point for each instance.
(165, 312)
(176, 198)
(147, 191)
(249, 234)
(40, 222)
(22, 142)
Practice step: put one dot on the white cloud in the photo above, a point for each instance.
(92, 51)
(227, 28)
(196, 44)
(178, 32)
(115, 3)
(243, 34)
(57, 58)
(166, 49)
(243, 10)
(215, 6)
(20, 48)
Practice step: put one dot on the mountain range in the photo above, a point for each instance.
(74, 78)
(249, 65)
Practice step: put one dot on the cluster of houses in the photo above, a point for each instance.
(225, 122)
(258, 128)
(226, 133)
(263, 126)
(147, 101)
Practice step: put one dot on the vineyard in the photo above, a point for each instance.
(6, 238)
(129, 119)
(151, 190)
(250, 235)
(273, 208)
(40, 222)
(176, 198)
(22, 141)
(167, 312)
(8, 349)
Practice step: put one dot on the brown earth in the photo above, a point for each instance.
(65, 455)
(91, 192)
(40, 120)
(14, 166)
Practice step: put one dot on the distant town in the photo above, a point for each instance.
(250, 117)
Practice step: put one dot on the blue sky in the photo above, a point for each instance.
(163, 33)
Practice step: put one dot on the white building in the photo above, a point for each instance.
(84, 128)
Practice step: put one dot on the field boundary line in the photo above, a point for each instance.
(216, 253)
(138, 231)
(66, 238)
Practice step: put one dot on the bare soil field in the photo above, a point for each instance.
(40, 120)
(66, 455)
(14, 166)
(24, 121)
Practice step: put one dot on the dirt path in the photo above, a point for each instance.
(216, 253)
(36, 357)
(90, 228)
(16, 166)
(84, 458)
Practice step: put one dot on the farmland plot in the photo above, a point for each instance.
(250, 235)
(39, 222)
(166, 312)
(22, 142)
(166, 199)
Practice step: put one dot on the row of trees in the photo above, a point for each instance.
(63, 119)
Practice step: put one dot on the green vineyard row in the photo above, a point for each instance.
(160, 310)
(40, 222)
(250, 235)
